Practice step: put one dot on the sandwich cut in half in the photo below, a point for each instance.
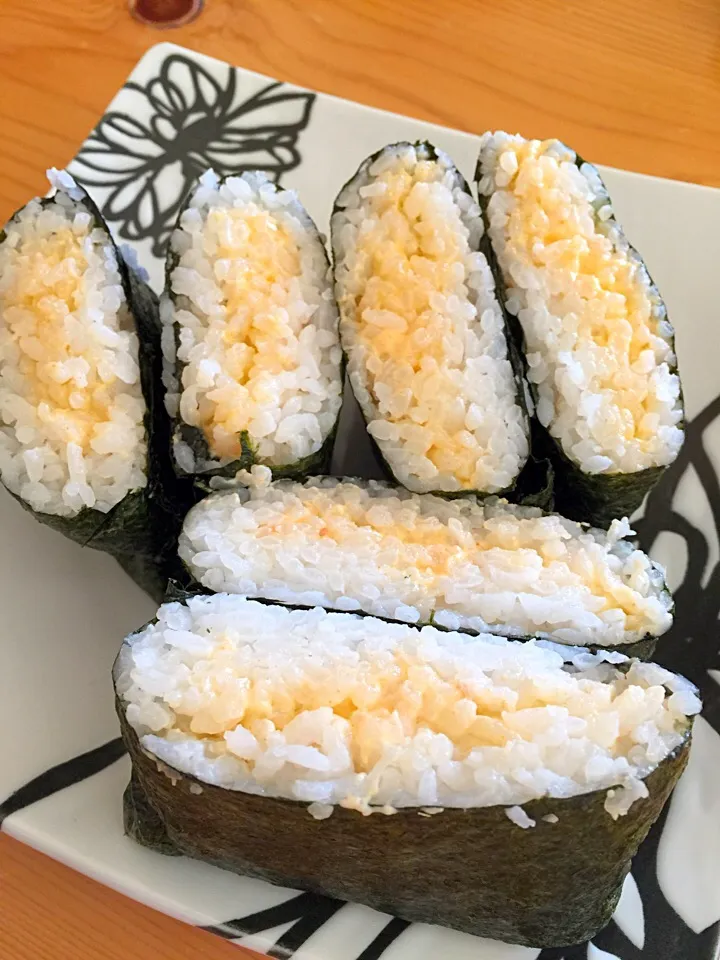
(598, 344)
(428, 356)
(485, 566)
(252, 358)
(466, 781)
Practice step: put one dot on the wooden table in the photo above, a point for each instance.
(634, 85)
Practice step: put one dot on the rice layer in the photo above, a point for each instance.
(71, 403)
(598, 341)
(481, 566)
(333, 708)
(420, 322)
(253, 324)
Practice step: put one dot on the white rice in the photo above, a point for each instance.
(598, 341)
(486, 566)
(422, 327)
(331, 708)
(71, 403)
(253, 325)
(518, 816)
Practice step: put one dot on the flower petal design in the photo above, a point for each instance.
(148, 206)
(202, 92)
(629, 914)
(182, 121)
(689, 850)
(275, 157)
(125, 135)
(114, 166)
(167, 99)
(272, 110)
(91, 170)
(163, 130)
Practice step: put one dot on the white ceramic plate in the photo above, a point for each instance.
(64, 610)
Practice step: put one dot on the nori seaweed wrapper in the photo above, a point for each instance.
(595, 498)
(525, 484)
(207, 465)
(475, 870)
(141, 530)
(154, 575)
(142, 823)
(535, 485)
(602, 497)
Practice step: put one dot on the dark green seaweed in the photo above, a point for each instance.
(535, 485)
(154, 574)
(208, 466)
(475, 870)
(314, 463)
(515, 491)
(537, 489)
(142, 529)
(142, 823)
(602, 497)
(598, 498)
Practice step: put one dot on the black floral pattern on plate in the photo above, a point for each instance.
(196, 121)
(692, 647)
(62, 776)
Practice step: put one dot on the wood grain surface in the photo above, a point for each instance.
(631, 84)
(48, 912)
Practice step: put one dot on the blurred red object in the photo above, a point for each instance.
(165, 13)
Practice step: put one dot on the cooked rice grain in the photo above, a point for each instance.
(71, 405)
(477, 566)
(421, 325)
(250, 325)
(330, 708)
(598, 341)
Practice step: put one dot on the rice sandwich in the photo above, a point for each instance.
(497, 787)
(597, 340)
(485, 566)
(81, 442)
(253, 365)
(421, 326)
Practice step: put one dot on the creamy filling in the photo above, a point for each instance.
(423, 329)
(331, 708)
(71, 405)
(598, 341)
(256, 324)
(481, 566)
